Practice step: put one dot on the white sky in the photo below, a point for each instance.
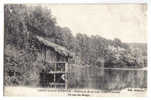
(127, 22)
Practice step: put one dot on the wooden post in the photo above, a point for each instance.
(55, 76)
(66, 74)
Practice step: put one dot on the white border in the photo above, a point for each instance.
(75, 1)
(2, 2)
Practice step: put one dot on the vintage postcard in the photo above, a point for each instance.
(75, 50)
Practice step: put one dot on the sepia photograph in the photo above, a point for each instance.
(97, 50)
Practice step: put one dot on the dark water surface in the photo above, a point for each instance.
(106, 79)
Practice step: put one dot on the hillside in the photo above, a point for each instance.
(140, 46)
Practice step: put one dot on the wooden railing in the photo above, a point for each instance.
(60, 70)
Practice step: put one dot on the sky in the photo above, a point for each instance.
(128, 22)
